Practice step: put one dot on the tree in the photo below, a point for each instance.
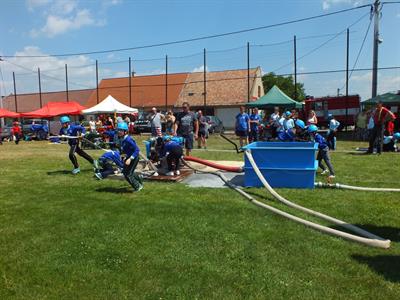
(286, 84)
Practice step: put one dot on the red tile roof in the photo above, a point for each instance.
(30, 102)
(147, 91)
(223, 88)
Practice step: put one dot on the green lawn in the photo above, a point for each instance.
(69, 237)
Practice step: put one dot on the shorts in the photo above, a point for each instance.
(242, 133)
(188, 141)
(202, 133)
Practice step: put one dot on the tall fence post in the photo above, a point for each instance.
(40, 89)
(248, 72)
(130, 82)
(97, 82)
(347, 74)
(66, 82)
(205, 82)
(15, 94)
(166, 82)
(295, 67)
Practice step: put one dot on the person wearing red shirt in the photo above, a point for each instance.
(16, 132)
(381, 116)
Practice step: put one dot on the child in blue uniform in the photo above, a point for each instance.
(131, 150)
(323, 151)
(104, 166)
(390, 142)
(333, 128)
(74, 131)
(172, 151)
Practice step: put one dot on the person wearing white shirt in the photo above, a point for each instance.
(333, 128)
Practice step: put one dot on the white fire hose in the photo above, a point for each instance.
(354, 188)
(370, 239)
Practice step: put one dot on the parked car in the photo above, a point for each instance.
(5, 132)
(215, 125)
(143, 124)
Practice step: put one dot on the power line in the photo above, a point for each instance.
(199, 38)
(44, 75)
(359, 51)
(323, 44)
(232, 79)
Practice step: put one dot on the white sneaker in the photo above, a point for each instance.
(170, 173)
(177, 173)
(76, 171)
(324, 172)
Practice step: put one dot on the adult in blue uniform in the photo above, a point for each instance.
(131, 151)
(254, 123)
(74, 131)
(242, 126)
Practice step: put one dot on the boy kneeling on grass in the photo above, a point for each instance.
(172, 151)
(131, 150)
(323, 151)
(104, 166)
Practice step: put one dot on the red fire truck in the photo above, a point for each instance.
(338, 106)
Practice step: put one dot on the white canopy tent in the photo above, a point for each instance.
(110, 105)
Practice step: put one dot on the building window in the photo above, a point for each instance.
(190, 94)
(259, 91)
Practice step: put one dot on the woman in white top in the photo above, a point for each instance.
(312, 118)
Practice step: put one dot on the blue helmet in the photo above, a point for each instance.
(300, 123)
(288, 113)
(312, 128)
(330, 116)
(65, 119)
(122, 126)
(397, 135)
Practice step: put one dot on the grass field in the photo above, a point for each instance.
(70, 237)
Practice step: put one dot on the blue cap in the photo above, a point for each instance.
(288, 113)
(312, 128)
(65, 119)
(122, 126)
(300, 123)
(397, 135)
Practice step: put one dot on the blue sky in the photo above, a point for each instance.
(40, 27)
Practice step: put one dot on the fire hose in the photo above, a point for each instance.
(369, 239)
(214, 165)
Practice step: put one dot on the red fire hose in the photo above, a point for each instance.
(214, 165)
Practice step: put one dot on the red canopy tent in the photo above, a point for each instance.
(4, 113)
(53, 109)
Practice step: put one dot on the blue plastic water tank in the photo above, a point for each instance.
(283, 164)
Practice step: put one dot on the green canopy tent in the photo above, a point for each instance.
(275, 97)
(387, 98)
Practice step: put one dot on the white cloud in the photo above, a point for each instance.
(81, 70)
(327, 4)
(32, 4)
(62, 16)
(200, 69)
(56, 25)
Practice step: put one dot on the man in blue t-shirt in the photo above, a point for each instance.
(254, 123)
(242, 126)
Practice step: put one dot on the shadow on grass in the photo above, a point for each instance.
(386, 232)
(386, 265)
(64, 172)
(115, 190)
